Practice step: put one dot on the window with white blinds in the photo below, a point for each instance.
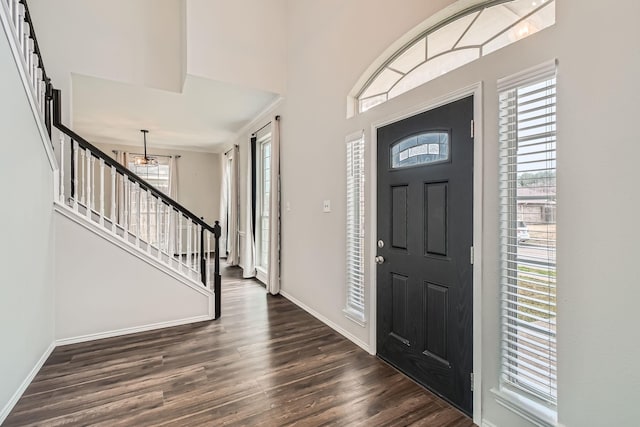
(355, 305)
(528, 233)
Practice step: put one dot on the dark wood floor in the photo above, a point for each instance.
(265, 362)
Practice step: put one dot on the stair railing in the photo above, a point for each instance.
(109, 194)
(123, 204)
(20, 22)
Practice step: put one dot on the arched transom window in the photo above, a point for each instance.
(457, 41)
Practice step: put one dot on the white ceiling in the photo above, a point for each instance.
(205, 116)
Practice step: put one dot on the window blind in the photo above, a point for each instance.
(355, 305)
(528, 233)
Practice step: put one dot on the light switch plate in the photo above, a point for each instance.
(326, 206)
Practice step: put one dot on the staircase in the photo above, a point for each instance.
(104, 196)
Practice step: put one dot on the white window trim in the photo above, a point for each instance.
(261, 270)
(518, 401)
(349, 312)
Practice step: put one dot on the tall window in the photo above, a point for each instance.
(263, 200)
(355, 228)
(528, 234)
(158, 177)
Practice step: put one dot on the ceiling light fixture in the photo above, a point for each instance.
(146, 160)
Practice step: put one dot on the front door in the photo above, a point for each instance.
(425, 232)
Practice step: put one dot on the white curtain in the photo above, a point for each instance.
(234, 205)
(273, 284)
(249, 247)
(224, 202)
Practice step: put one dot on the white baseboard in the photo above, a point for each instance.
(486, 423)
(4, 413)
(328, 322)
(133, 330)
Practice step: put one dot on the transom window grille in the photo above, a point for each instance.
(528, 234)
(355, 228)
(464, 38)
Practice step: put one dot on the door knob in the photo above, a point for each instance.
(379, 259)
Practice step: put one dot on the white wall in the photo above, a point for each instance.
(26, 252)
(137, 42)
(595, 43)
(241, 41)
(598, 199)
(327, 52)
(132, 295)
(199, 177)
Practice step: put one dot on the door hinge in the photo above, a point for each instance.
(472, 376)
(473, 129)
(471, 255)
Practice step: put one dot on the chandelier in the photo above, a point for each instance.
(146, 160)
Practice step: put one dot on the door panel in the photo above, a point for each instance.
(425, 218)
(436, 218)
(399, 216)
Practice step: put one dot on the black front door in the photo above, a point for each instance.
(425, 232)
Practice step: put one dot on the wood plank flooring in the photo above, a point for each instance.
(264, 363)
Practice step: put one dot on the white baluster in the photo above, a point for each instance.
(35, 81)
(89, 204)
(165, 226)
(20, 27)
(61, 168)
(198, 248)
(138, 213)
(189, 236)
(25, 44)
(39, 84)
(126, 201)
(179, 240)
(81, 183)
(33, 63)
(14, 13)
(102, 192)
(159, 205)
(43, 96)
(113, 200)
(76, 152)
(92, 182)
(19, 23)
(148, 221)
(170, 249)
(12, 5)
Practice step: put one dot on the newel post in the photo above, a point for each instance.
(217, 279)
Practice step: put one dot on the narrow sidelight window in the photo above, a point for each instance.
(528, 234)
(355, 305)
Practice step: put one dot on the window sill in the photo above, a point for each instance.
(528, 409)
(355, 317)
